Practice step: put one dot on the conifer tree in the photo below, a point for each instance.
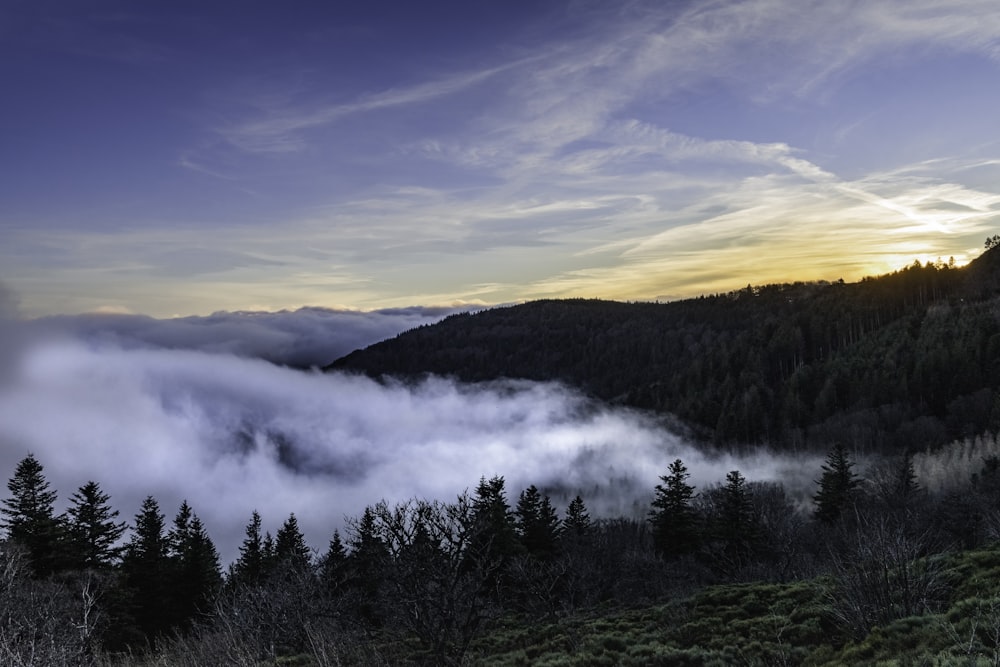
(267, 556)
(334, 564)
(180, 532)
(146, 565)
(93, 531)
(368, 559)
(249, 567)
(496, 529)
(576, 526)
(290, 549)
(196, 572)
(673, 519)
(29, 517)
(537, 523)
(837, 486)
(735, 523)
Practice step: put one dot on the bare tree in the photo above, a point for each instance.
(42, 622)
(885, 573)
(440, 582)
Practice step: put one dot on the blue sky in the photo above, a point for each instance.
(182, 158)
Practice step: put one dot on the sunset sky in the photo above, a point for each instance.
(176, 158)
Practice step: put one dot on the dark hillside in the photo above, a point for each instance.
(905, 360)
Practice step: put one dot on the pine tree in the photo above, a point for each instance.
(496, 529)
(735, 524)
(290, 549)
(196, 572)
(268, 560)
(93, 531)
(576, 526)
(334, 565)
(249, 567)
(146, 566)
(673, 519)
(537, 523)
(29, 517)
(368, 559)
(837, 486)
(180, 532)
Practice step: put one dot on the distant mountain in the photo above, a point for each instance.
(902, 361)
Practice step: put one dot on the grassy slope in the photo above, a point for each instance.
(765, 624)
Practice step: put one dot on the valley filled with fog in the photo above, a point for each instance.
(233, 433)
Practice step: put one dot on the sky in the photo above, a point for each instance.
(178, 159)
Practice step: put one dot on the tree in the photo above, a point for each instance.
(496, 532)
(29, 517)
(249, 567)
(837, 486)
(673, 519)
(537, 523)
(334, 565)
(146, 565)
(194, 568)
(576, 525)
(734, 523)
(369, 559)
(290, 549)
(199, 576)
(93, 531)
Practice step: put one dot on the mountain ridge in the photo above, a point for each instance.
(902, 361)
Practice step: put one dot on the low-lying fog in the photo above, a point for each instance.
(232, 434)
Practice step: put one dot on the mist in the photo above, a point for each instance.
(231, 434)
(301, 338)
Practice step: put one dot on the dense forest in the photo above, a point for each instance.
(889, 364)
(893, 561)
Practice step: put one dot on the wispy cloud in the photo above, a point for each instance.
(281, 128)
(630, 151)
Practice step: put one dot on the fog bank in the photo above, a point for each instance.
(302, 338)
(232, 434)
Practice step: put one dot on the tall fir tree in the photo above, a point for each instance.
(334, 565)
(146, 566)
(29, 517)
(576, 525)
(673, 519)
(195, 573)
(496, 534)
(93, 530)
(248, 569)
(290, 549)
(735, 524)
(838, 486)
(368, 559)
(537, 523)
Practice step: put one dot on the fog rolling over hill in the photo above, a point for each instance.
(231, 434)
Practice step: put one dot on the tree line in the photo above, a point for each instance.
(423, 581)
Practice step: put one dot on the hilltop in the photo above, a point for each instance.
(901, 361)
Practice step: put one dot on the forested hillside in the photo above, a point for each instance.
(901, 361)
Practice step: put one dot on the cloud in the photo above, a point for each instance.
(231, 435)
(280, 130)
(302, 338)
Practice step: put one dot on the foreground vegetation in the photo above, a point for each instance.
(769, 624)
(878, 570)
